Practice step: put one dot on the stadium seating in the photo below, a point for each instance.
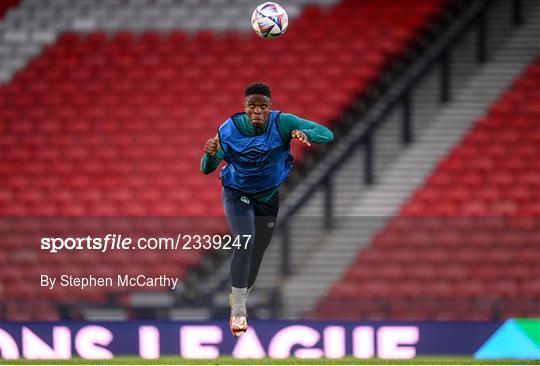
(5, 5)
(467, 243)
(112, 125)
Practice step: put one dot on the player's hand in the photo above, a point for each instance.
(300, 136)
(211, 146)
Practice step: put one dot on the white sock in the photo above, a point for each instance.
(238, 300)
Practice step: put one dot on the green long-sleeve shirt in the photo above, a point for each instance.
(286, 123)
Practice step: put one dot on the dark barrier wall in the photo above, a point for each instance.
(278, 339)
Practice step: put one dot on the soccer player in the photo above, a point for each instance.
(255, 144)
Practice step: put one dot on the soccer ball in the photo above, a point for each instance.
(269, 20)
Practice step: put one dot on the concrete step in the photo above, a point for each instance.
(449, 123)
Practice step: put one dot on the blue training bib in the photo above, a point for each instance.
(254, 163)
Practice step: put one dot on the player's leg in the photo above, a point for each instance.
(239, 212)
(265, 222)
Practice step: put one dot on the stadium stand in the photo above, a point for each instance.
(110, 123)
(6, 5)
(465, 245)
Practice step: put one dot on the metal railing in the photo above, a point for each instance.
(399, 96)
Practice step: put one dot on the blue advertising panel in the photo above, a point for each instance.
(277, 339)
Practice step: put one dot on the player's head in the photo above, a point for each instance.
(257, 103)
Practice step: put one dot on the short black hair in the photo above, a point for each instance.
(258, 88)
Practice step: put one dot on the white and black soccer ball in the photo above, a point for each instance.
(269, 20)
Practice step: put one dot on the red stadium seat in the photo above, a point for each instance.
(112, 125)
(470, 249)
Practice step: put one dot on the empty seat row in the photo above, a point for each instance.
(470, 233)
(114, 124)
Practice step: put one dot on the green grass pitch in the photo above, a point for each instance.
(269, 361)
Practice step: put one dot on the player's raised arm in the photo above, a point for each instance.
(212, 155)
(304, 130)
